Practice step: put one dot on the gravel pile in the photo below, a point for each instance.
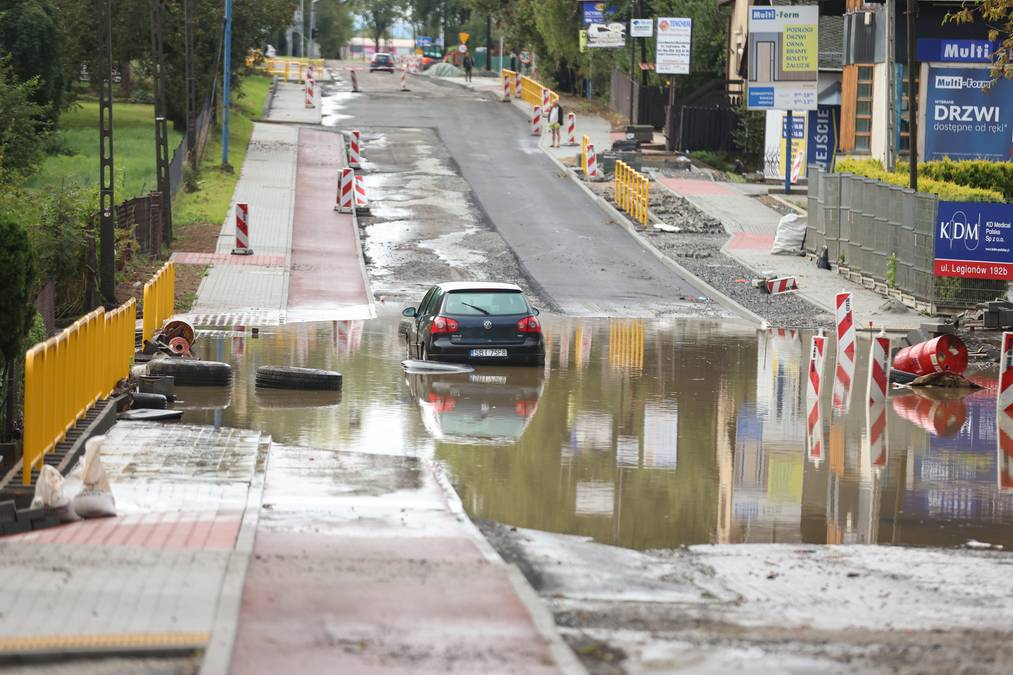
(445, 70)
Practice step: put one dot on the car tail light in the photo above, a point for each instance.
(444, 324)
(529, 324)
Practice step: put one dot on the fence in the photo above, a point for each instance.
(701, 128)
(631, 192)
(531, 90)
(881, 235)
(648, 102)
(159, 299)
(69, 373)
(291, 69)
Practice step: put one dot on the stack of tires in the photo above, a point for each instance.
(290, 377)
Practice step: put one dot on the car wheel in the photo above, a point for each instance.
(193, 373)
(288, 377)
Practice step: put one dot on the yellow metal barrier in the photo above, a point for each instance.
(632, 192)
(291, 69)
(68, 373)
(531, 90)
(159, 299)
(584, 142)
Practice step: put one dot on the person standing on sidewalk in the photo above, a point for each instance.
(468, 64)
(555, 122)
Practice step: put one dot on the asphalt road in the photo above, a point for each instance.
(579, 261)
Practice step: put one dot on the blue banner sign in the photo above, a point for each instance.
(797, 126)
(598, 12)
(423, 41)
(974, 240)
(963, 120)
(956, 51)
(824, 130)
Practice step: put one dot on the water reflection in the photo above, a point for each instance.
(653, 434)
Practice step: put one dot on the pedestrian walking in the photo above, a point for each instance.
(513, 61)
(555, 122)
(468, 64)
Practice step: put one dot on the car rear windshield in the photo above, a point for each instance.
(382, 58)
(480, 303)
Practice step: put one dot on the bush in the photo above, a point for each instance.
(60, 233)
(947, 191)
(17, 276)
(997, 176)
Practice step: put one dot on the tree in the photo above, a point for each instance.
(998, 17)
(22, 127)
(379, 16)
(334, 27)
(31, 32)
(17, 277)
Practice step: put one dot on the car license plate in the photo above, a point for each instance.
(488, 352)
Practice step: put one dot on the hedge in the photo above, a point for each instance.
(946, 190)
(976, 173)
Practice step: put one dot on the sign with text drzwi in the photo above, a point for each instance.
(675, 41)
(968, 115)
(974, 240)
(783, 57)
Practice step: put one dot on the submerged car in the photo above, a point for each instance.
(474, 322)
(382, 61)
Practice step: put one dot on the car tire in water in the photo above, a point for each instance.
(193, 373)
(291, 377)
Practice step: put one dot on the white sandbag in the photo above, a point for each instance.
(50, 495)
(790, 235)
(96, 497)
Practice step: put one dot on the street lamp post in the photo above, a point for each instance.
(227, 68)
(313, 27)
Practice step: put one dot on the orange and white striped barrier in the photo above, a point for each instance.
(361, 203)
(571, 129)
(878, 385)
(518, 86)
(1004, 415)
(591, 161)
(238, 340)
(404, 77)
(546, 99)
(354, 78)
(346, 191)
(845, 320)
(536, 120)
(354, 152)
(309, 92)
(844, 374)
(242, 230)
(507, 87)
(781, 285)
(814, 385)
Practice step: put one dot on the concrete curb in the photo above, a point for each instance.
(540, 615)
(693, 280)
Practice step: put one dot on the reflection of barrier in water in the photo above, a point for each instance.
(202, 398)
(936, 411)
(875, 412)
(1004, 415)
(814, 383)
(626, 345)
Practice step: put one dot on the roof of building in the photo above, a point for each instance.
(831, 42)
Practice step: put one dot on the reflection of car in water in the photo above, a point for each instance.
(487, 406)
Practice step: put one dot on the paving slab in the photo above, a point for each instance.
(289, 104)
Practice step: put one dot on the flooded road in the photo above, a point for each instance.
(641, 434)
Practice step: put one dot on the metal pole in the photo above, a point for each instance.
(912, 97)
(502, 64)
(161, 124)
(191, 89)
(302, 28)
(227, 60)
(488, 41)
(313, 27)
(633, 59)
(787, 154)
(892, 87)
(107, 226)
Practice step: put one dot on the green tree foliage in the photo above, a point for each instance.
(61, 229)
(334, 27)
(997, 15)
(22, 127)
(379, 16)
(31, 32)
(16, 278)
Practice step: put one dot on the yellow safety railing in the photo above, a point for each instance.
(292, 69)
(626, 344)
(531, 90)
(159, 299)
(584, 142)
(632, 192)
(68, 373)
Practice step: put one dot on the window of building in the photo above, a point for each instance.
(863, 109)
(904, 111)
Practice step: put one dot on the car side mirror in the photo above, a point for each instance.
(536, 311)
(408, 311)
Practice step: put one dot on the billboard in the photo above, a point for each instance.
(675, 38)
(783, 58)
(968, 116)
(824, 130)
(597, 12)
(641, 28)
(602, 36)
(956, 51)
(974, 240)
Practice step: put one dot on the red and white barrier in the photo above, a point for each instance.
(536, 120)
(592, 161)
(546, 99)
(360, 192)
(1004, 415)
(242, 230)
(354, 152)
(571, 129)
(346, 191)
(518, 85)
(355, 79)
(309, 93)
(506, 88)
(238, 340)
(875, 413)
(782, 285)
(404, 78)
(814, 421)
(845, 325)
(844, 374)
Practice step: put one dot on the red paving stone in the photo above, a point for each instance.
(690, 188)
(189, 258)
(750, 241)
(326, 271)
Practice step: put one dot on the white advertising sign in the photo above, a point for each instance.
(783, 57)
(606, 36)
(675, 38)
(641, 27)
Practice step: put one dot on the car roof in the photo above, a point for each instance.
(381, 54)
(452, 286)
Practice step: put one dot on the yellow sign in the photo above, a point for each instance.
(418, 51)
(800, 52)
(582, 37)
(463, 37)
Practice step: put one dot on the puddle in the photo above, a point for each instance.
(646, 434)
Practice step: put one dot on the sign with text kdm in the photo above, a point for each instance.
(968, 116)
(783, 57)
(974, 240)
(674, 45)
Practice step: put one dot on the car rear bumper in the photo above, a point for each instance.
(530, 352)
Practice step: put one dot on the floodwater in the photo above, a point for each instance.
(643, 434)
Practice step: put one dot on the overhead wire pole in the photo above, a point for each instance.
(226, 67)
(107, 225)
(191, 87)
(161, 124)
(912, 98)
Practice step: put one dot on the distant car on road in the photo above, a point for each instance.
(474, 322)
(382, 61)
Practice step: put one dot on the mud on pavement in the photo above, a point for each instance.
(425, 226)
